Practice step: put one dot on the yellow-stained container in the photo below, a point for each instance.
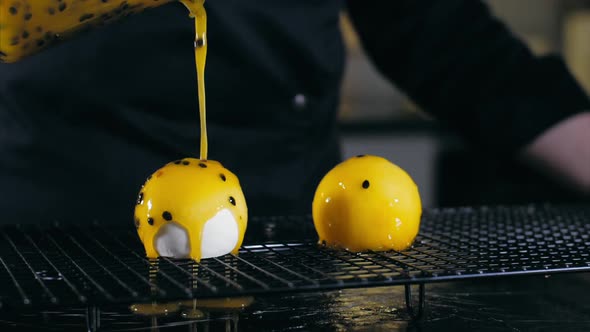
(29, 26)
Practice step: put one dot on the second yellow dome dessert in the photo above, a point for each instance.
(367, 203)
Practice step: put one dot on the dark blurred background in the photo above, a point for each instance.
(376, 118)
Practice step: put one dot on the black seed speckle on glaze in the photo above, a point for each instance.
(202, 165)
(13, 10)
(177, 162)
(366, 184)
(186, 162)
(222, 176)
(140, 198)
(360, 155)
(62, 7)
(151, 221)
(136, 222)
(28, 16)
(199, 42)
(51, 11)
(232, 200)
(167, 216)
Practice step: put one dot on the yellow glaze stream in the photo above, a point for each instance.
(197, 11)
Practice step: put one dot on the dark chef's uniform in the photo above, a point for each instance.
(84, 123)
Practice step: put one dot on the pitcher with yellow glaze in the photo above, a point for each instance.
(29, 26)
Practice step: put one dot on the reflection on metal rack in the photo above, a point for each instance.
(94, 266)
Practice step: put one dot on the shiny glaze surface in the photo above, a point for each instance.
(367, 203)
(154, 309)
(221, 304)
(192, 309)
(188, 192)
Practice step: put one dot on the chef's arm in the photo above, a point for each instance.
(563, 151)
(462, 65)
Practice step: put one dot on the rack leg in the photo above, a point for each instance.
(92, 319)
(415, 314)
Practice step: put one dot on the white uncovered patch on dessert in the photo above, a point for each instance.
(220, 236)
(172, 241)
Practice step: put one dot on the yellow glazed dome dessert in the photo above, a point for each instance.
(367, 203)
(191, 208)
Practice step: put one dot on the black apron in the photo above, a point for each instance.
(84, 123)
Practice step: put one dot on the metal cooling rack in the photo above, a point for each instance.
(96, 266)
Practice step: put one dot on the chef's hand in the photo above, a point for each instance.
(563, 151)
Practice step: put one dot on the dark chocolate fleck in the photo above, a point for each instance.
(167, 216)
(366, 184)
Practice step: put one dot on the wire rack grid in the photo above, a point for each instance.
(96, 266)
